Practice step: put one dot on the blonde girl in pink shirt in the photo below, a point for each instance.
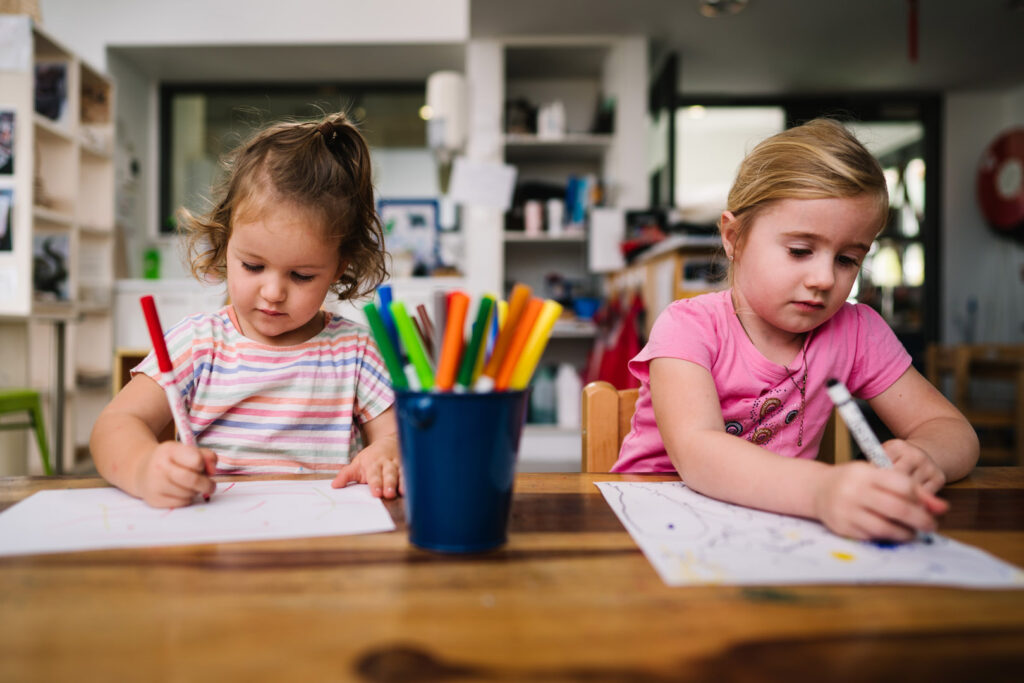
(732, 390)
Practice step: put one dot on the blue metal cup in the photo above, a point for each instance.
(459, 463)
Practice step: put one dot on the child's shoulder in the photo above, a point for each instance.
(206, 324)
(337, 323)
(709, 306)
(706, 312)
(855, 316)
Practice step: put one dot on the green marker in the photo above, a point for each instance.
(411, 341)
(387, 351)
(480, 325)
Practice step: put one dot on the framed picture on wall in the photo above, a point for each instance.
(6, 219)
(410, 234)
(6, 142)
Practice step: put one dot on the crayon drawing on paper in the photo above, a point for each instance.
(692, 539)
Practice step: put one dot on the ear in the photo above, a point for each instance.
(729, 230)
(342, 267)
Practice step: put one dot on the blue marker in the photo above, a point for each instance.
(384, 292)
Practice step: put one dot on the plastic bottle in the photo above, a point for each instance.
(568, 388)
(542, 397)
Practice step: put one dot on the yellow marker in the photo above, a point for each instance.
(502, 313)
(535, 344)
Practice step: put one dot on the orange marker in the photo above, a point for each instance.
(522, 333)
(518, 300)
(451, 350)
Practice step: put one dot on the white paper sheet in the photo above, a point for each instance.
(93, 519)
(481, 183)
(692, 540)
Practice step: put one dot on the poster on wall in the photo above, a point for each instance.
(6, 142)
(6, 219)
(410, 234)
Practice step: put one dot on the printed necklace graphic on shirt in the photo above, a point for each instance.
(767, 406)
(802, 388)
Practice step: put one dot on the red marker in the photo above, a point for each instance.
(163, 360)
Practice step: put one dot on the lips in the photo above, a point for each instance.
(272, 314)
(810, 305)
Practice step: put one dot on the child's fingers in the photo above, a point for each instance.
(347, 474)
(168, 494)
(389, 479)
(193, 481)
(933, 503)
(872, 527)
(903, 502)
(209, 461)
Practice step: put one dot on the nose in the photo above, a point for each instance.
(821, 274)
(272, 289)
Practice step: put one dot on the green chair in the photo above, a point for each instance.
(26, 400)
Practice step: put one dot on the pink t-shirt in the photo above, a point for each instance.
(760, 399)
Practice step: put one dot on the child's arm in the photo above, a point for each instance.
(125, 449)
(379, 464)
(856, 499)
(935, 443)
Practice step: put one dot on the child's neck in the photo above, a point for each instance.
(776, 345)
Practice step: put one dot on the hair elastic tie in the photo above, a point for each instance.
(330, 134)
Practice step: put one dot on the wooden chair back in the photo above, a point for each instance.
(607, 415)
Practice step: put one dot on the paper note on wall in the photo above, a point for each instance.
(479, 183)
(691, 539)
(93, 519)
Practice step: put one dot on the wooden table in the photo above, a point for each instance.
(570, 597)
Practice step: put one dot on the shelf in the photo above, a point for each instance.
(66, 178)
(573, 329)
(93, 149)
(518, 237)
(41, 213)
(572, 147)
(53, 128)
(96, 231)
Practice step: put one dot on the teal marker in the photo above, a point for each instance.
(480, 325)
(411, 341)
(387, 351)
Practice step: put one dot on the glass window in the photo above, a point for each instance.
(201, 124)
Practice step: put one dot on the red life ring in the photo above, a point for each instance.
(1001, 183)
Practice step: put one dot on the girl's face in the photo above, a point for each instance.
(798, 264)
(279, 269)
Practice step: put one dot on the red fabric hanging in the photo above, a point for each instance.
(618, 340)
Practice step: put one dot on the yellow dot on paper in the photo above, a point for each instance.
(845, 557)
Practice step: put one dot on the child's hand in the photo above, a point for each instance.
(861, 501)
(915, 463)
(172, 474)
(377, 465)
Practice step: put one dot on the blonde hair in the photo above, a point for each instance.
(820, 159)
(322, 166)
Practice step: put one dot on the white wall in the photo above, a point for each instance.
(976, 262)
(87, 27)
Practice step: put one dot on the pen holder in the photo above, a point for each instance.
(459, 461)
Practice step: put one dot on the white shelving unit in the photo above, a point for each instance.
(576, 70)
(62, 222)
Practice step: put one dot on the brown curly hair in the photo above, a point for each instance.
(323, 166)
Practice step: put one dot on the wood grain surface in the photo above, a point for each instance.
(570, 597)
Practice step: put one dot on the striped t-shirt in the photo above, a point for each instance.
(275, 408)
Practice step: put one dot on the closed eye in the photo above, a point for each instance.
(252, 267)
(848, 262)
(299, 277)
(798, 253)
